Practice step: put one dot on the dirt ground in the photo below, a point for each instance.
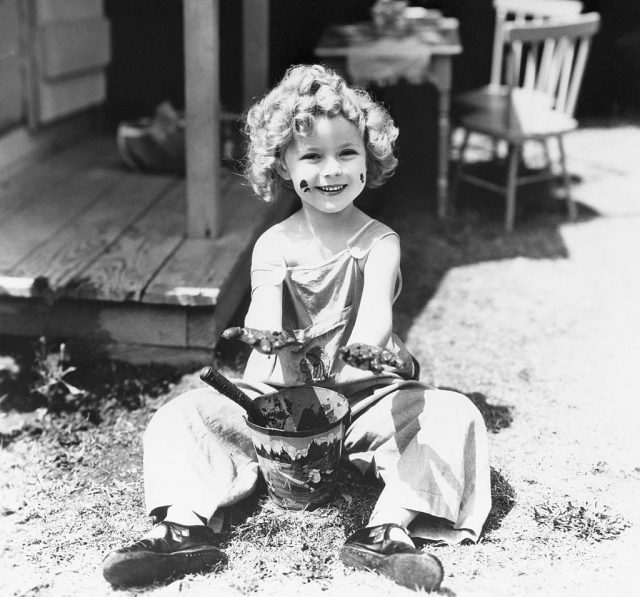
(540, 329)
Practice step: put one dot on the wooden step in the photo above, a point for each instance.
(19, 191)
(91, 251)
(59, 262)
(124, 270)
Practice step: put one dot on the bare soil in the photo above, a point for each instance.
(540, 329)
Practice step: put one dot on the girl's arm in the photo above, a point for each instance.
(375, 319)
(265, 309)
(264, 315)
(263, 322)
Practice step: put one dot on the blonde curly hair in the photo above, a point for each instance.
(307, 92)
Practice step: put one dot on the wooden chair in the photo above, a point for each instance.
(545, 66)
(512, 12)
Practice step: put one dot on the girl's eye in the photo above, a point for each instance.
(349, 152)
(310, 156)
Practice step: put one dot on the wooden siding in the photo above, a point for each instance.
(11, 111)
(74, 47)
(69, 49)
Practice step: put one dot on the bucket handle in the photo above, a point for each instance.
(226, 387)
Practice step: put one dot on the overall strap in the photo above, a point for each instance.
(361, 243)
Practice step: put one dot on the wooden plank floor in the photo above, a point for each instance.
(87, 247)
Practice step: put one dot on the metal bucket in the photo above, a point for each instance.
(300, 461)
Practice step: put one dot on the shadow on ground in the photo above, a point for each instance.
(503, 498)
(475, 231)
(475, 234)
(363, 492)
(496, 416)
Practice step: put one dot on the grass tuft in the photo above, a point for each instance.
(273, 542)
(586, 521)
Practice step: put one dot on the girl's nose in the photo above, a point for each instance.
(332, 168)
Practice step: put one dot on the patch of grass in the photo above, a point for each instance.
(48, 394)
(272, 542)
(503, 498)
(54, 376)
(50, 369)
(587, 521)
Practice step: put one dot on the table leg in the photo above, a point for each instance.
(443, 155)
(441, 69)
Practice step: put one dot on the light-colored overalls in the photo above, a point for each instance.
(429, 446)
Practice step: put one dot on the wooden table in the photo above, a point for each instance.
(442, 40)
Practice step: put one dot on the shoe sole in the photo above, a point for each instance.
(130, 569)
(418, 571)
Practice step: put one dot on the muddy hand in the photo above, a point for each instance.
(372, 358)
(264, 341)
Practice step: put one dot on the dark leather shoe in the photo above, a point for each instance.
(170, 550)
(372, 548)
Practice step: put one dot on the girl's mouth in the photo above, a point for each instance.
(332, 189)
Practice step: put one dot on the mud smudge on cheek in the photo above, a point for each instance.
(304, 185)
(361, 177)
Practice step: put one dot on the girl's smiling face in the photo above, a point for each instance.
(328, 169)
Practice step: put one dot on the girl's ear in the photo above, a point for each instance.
(281, 169)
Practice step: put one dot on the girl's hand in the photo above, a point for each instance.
(372, 358)
(264, 341)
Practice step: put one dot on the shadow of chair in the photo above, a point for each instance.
(545, 64)
(512, 12)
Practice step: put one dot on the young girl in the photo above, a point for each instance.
(323, 279)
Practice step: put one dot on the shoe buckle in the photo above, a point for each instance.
(179, 534)
(377, 534)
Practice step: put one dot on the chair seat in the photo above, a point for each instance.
(480, 97)
(524, 115)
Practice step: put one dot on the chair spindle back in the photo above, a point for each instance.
(520, 12)
(550, 58)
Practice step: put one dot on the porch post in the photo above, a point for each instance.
(202, 99)
(255, 49)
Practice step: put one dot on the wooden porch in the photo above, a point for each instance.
(90, 250)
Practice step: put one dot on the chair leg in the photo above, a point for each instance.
(512, 176)
(571, 206)
(458, 172)
(547, 154)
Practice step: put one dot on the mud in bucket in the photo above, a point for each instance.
(299, 450)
